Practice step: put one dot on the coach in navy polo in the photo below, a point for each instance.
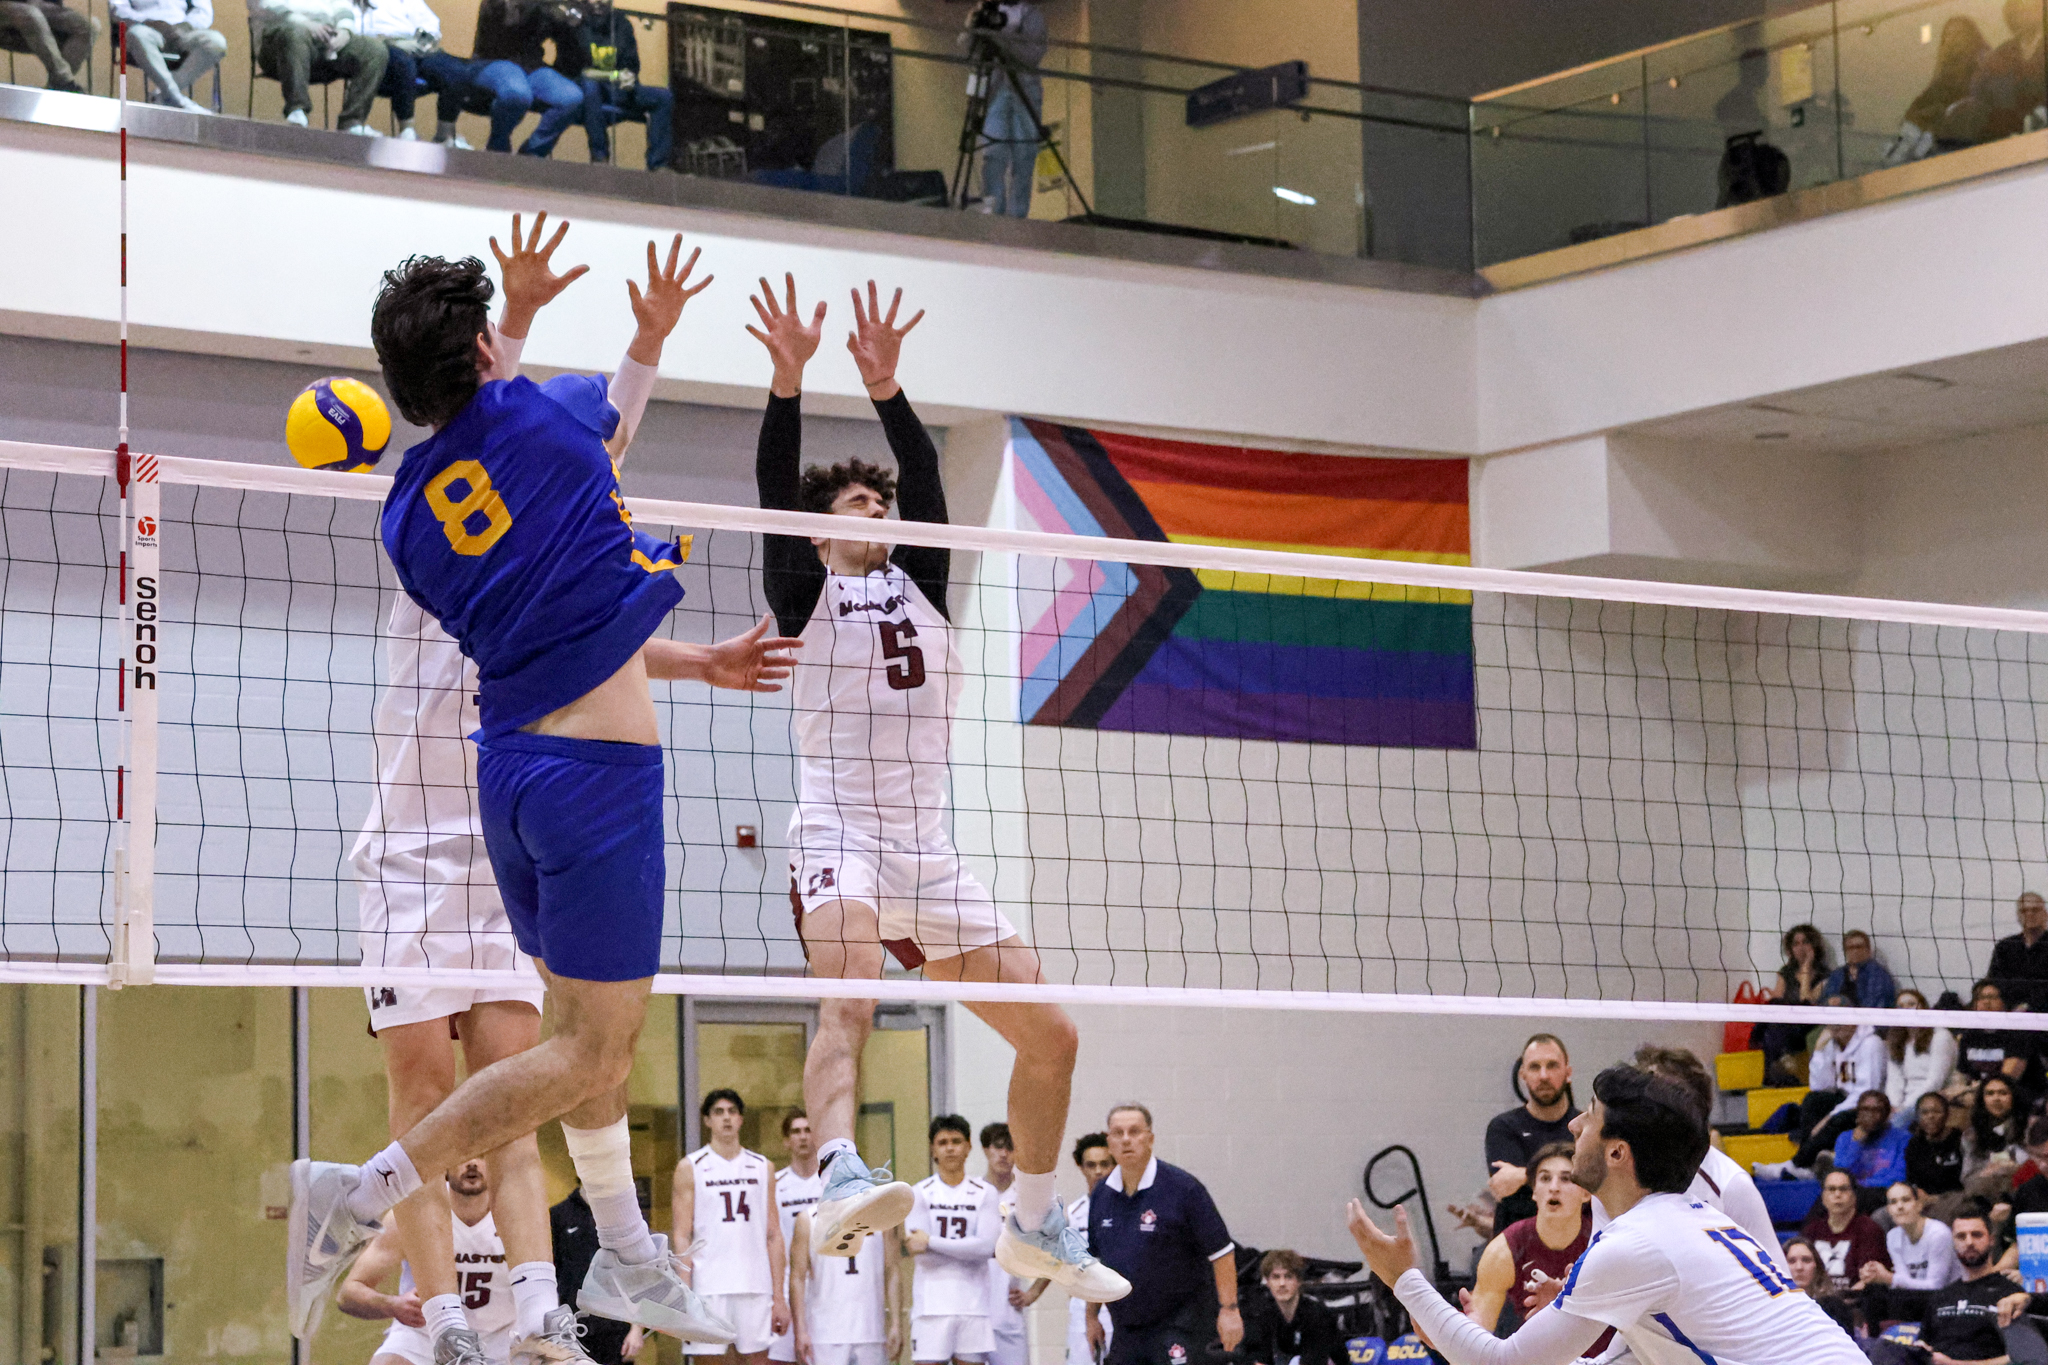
(1156, 1226)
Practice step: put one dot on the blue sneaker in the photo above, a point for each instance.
(1059, 1253)
(855, 1202)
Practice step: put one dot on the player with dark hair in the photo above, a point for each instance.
(506, 526)
(951, 1230)
(1722, 1182)
(874, 867)
(1678, 1281)
(726, 1196)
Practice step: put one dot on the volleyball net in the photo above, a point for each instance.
(1187, 773)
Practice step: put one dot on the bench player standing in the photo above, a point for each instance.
(847, 1309)
(797, 1186)
(508, 528)
(951, 1230)
(874, 866)
(725, 1195)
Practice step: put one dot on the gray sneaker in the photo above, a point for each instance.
(459, 1346)
(651, 1294)
(322, 1239)
(1057, 1252)
(560, 1338)
(855, 1202)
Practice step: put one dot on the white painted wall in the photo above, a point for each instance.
(244, 255)
(1959, 521)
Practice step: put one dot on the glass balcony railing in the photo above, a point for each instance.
(1739, 113)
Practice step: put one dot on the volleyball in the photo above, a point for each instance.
(337, 424)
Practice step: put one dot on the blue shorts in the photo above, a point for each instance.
(574, 830)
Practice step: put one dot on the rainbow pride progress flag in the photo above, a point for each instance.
(1134, 647)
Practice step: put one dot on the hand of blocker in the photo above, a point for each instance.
(876, 340)
(659, 309)
(531, 283)
(753, 662)
(1389, 1257)
(790, 343)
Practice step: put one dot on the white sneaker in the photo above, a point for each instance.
(297, 118)
(560, 1338)
(192, 106)
(408, 134)
(651, 1294)
(854, 1203)
(361, 130)
(458, 142)
(1058, 1253)
(322, 1239)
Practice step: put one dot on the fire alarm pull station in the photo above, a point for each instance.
(744, 836)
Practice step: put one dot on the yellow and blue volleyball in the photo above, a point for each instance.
(338, 424)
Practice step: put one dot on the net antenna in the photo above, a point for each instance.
(132, 960)
(1416, 1191)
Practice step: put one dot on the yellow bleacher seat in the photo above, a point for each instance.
(1739, 1070)
(1765, 1102)
(1750, 1148)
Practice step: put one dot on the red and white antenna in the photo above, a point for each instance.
(133, 961)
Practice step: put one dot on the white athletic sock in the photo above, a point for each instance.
(387, 1178)
(1031, 1198)
(604, 1163)
(444, 1314)
(534, 1294)
(834, 1148)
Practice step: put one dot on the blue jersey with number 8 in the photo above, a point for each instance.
(507, 527)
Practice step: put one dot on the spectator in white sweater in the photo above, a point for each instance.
(1850, 1060)
(1917, 1061)
(411, 33)
(299, 42)
(160, 31)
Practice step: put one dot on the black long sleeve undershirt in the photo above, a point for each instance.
(792, 575)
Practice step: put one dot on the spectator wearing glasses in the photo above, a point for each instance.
(1845, 1239)
(1873, 1152)
(1861, 977)
(60, 38)
(602, 56)
(411, 34)
(509, 43)
(2019, 962)
(180, 29)
(299, 42)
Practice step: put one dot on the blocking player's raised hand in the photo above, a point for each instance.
(876, 341)
(791, 342)
(660, 306)
(528, 271)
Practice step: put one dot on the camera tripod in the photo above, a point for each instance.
(985, 61)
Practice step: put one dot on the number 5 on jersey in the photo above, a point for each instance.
(906, 669)
(460, 517)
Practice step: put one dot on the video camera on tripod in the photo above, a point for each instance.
(988, 17)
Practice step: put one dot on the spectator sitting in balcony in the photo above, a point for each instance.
(60, 38)
(1861, 977)
(602, 56)
(509, 39)
(181, 29)
(1925, 128)
(2019, 964)
(1801, 981)
(299, 42)
(1918, 1061)
(411, 34)
(2006, 94)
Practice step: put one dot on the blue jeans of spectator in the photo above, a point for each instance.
(604, 103)
(1012, 154)
(445, 74)
(513, 91)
